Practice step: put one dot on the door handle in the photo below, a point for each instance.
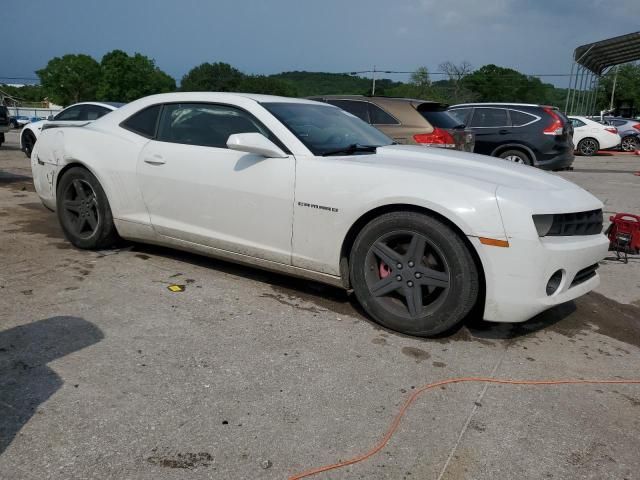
(155, 160)
(504, 131)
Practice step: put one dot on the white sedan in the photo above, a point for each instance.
(422, 236)
(590, 136)
(76, 114)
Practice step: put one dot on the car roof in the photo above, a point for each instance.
(500, 104)
(109, 105)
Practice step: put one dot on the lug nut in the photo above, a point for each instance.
(399, 265)
(418, 275)
(399, 278)
(410, 283)
(411, 264)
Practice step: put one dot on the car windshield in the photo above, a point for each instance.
(325, 129)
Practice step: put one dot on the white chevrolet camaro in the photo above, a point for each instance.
(421, 235)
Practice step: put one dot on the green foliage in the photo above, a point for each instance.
(70, 78)
(212, 77)
(627, 87)
(308, 84)
(27, 93)
(266, 85)
(125, 78)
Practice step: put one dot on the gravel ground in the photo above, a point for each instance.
(105, 373)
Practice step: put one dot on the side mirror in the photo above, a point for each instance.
(50, 117)
(255, 143)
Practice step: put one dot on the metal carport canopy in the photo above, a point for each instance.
(599, 56)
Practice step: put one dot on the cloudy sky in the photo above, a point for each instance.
(270, 36)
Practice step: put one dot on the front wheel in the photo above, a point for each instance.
(83, 210)
(588, 147)
(412, 273)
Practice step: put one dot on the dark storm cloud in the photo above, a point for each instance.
(329, 35)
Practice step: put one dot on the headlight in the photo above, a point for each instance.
(543, 224)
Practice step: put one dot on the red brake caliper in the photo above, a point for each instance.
(384, 270)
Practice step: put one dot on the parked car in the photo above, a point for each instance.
(76, 114)
(407, 121)
(629, 130)
(421, 235)
(535, 135)
(19, 121)
(590, 136)
(5, 122)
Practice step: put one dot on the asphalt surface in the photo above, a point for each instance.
(105, 373)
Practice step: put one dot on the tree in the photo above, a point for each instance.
(125, 78)
(420, 79)
(70, 78)
(455, 75)
(212, 77)
(266, 85)
(627, 87)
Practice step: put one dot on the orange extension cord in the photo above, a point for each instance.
(396, 421)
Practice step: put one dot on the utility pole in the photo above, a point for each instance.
(613, 91)
(373, 87)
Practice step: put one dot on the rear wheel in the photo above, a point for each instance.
(630, 144)
(413, 274)
(28, 141)
(588, 147)
(83, 210)
(515, 156)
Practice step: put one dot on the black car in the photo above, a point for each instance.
(536, 135)
(5, 122)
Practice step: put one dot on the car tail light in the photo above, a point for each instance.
(637, 126)
(438, 137)
(611, 129)
(557, 126)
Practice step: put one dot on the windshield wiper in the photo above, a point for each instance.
(351, 149)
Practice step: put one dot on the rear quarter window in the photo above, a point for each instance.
(143, 122)
(518, 119)
(380, 117)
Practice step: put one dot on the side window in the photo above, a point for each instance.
(357, 108)
(617, 123)
(144, 122)
(206, 125)
(489, 117)
(93, 112)
(379, 117)
(70, 114)
(577, 123)
(519, 119)
(461, 114)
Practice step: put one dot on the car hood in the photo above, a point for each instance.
(439, 161)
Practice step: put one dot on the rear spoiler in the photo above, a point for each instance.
(62, 125)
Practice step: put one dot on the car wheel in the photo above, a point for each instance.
(630, 144)
(413, 274)
(588, 147)
(28, 141)
(83, 210)
(515, 156)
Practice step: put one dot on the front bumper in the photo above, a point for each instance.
(517, 276)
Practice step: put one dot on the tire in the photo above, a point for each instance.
(588, 147)
(28, 142)
(630, 143)
(421, 295)
(516, 156)
(83, 211)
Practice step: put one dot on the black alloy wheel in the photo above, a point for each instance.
(413, 273)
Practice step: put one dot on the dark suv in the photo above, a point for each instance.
(536, 135)
(5, 122)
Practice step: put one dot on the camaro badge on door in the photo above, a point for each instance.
(319, 207)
